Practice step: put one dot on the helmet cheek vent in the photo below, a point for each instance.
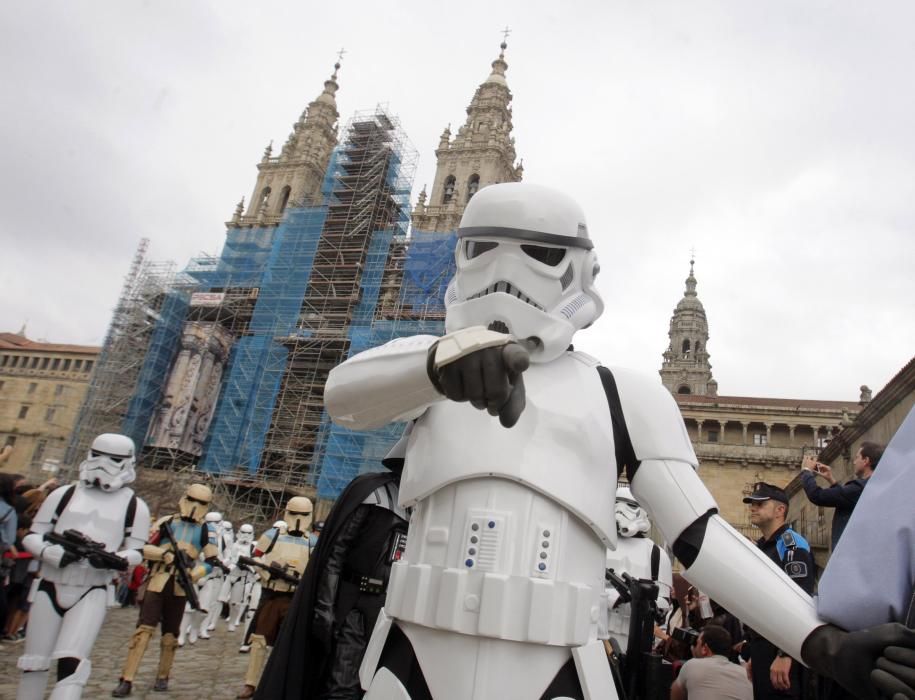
(567, 277)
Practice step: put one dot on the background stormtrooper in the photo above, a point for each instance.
(240, 582)
(70, 594)
(211, 585)
(635, 554)
(498, 594)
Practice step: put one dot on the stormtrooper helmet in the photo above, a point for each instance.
(298, 514)
(214, 518)
(631, 518)
(281, 526)
(525, 266)
(227, 530)
(195, 503)
(245, 534)
(110, 462)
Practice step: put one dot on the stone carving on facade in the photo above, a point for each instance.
(183, 418)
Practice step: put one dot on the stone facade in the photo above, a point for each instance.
(42, 386)
(297, 174)
(877, 422)
(740, 440)
(482, 153)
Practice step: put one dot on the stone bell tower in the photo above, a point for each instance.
(296, 175)
(481, 153)
(686, 368)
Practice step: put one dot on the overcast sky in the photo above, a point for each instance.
(777, 138)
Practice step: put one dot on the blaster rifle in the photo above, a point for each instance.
(78, 546)
(274, 570)
(182, 575)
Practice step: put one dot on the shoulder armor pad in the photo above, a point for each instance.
(653, 419)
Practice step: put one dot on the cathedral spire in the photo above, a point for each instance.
(481, 153)
(296, 175)
(686, 368)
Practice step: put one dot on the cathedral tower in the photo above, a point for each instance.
(296, 175)
(686, 368)
(482, 153)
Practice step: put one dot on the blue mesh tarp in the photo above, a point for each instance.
(258, 362)
(163, 346)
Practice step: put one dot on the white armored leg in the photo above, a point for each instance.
(77, 636)
(44, 626)
(71, 687)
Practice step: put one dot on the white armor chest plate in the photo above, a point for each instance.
(99, 516)
(510, 526)
(562, 446)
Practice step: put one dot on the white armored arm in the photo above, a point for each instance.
(382, 385)
(134, 540)
(718, 559)
(43, 522)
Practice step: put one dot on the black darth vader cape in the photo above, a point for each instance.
(297, 662)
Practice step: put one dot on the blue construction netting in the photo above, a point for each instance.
(427, 270)
(344, 454)
(245, 406)
(163, 346)
(257, 364)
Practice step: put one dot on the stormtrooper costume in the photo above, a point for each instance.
(238, 585)
(195, 624)
(499, 591)
(211, 584)
(635, 555)
(69, 597)
(290, 550)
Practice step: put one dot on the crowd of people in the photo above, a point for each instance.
(19, 502)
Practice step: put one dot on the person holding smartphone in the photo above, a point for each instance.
(842, 497)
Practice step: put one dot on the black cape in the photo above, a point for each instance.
(297, 663)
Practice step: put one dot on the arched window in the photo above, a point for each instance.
(685, 348)
(449, 189)
(265, 196)
(698, 347)
(684, 390)
(284, 199)
(473, 184)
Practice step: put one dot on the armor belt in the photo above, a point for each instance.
(502, 606)
(367, 584)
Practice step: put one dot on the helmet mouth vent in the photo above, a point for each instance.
(506, 288)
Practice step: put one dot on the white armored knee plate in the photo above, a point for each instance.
(525, 262)
(110, 462)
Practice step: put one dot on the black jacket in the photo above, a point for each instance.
(842, 497)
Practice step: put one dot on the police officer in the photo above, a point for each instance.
(773, 673)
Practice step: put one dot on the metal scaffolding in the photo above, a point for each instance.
(294, 297)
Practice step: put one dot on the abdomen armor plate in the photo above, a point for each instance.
(510, 526)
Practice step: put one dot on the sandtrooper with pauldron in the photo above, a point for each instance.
(174, 552)
(197, 624)
(82, 534)
(511, 471)
(282, 558)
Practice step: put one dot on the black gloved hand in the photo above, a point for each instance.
(862, 661)
(490, 379)
(97, 562)
(894, 676)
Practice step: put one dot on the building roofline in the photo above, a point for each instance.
(14, 341)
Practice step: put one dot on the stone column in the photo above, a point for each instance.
(745, 426)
